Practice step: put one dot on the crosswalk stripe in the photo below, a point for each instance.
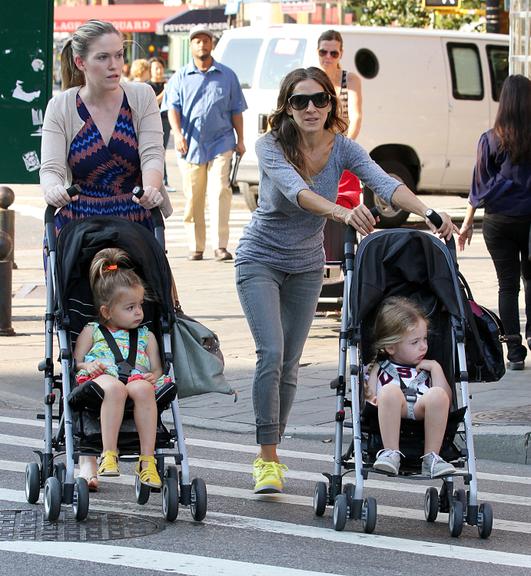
(152, 560)
(390, 485)
(291, 499)
(419, 547)
(251, 449)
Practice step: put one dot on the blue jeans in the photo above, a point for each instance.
(279, 308)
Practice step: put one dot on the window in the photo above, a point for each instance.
(465, 68)
(241, 56)
(498, 57)
(283, 55)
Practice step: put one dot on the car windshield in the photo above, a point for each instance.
(241, 55)
(282, 56)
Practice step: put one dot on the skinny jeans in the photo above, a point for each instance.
(507, 240)
(279, 308)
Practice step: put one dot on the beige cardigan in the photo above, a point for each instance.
(62, 123)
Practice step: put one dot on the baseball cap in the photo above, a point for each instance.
(200, 29)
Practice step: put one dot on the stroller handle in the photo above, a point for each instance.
(49, 214)
(434, 218)
(158, 220)
(350, 234)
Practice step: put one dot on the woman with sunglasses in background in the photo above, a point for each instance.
(280, 260)
(348, 92)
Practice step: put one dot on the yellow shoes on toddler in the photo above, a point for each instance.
(148, 474)
(109, 464)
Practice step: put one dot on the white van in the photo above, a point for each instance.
(427, 96)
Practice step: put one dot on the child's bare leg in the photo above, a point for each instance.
(391, 408)
(143, 395)
(433, 409)
(112, 410)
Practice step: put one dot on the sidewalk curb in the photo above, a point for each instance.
(500, 443)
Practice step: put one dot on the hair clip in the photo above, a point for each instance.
(110, 267)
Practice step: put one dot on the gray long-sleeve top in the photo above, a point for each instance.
(283, 235)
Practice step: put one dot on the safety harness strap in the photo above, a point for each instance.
(124, 366)
(410, 392)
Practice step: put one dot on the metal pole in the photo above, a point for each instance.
(6, 274)
(6, 260)
(7, 218)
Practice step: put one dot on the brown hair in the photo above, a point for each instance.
(79, 45)
(331, 36)
(394, 319)
(110, 272)
(286, 131)
(513, 120)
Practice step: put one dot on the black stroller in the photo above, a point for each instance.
(69, 307)
(402, 262)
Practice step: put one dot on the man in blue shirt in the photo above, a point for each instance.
(205, 106)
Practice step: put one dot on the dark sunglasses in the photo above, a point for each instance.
(333, 53)
(301, 101)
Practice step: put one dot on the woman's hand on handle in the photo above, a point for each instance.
(58, 196)
(151, 197)
(447, 227)
(361, 219)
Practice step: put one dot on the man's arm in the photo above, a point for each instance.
(174, 117)
(237, 123)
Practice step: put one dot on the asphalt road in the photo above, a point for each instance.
(247, 534)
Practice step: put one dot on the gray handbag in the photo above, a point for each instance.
(197, 358)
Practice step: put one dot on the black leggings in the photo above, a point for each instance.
(507, 241)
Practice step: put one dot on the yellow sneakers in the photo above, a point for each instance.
(109, 464)
(148, 474)
(268, 476)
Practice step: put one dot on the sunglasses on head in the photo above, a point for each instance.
(333, 53)
(301, 101)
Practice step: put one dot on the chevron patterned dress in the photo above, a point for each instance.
(106, 173)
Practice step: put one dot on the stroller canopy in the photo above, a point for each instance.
(403, 262)
(79, 241)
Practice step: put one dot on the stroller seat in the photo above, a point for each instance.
(411, 439)
(85, 401)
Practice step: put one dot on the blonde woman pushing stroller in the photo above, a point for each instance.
(118, 296)
(404, 384)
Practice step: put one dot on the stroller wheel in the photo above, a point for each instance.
(340, 512)
(80, 501)
(460, 495)
(172, 471)
(142, 492)
(368, 515)
(33, 482)
(170, 499)
(52, 499)
(198, 499)
(455, 519)
(59, 471)
(485, 518)
(320, 497)
(348, 490)
(431, 504)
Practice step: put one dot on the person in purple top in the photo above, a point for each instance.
(501, 184)
(205, 106)
(280, 258)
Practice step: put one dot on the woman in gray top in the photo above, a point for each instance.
(280, 258)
